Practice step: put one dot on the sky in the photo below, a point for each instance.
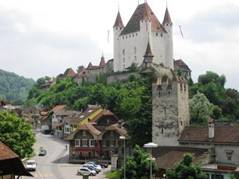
(44, 37)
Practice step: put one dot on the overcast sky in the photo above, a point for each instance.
(44, 37)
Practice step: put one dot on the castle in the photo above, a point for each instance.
(130, 41)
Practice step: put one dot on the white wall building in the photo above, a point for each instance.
(130, 41)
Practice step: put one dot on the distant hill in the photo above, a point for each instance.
(14, 88)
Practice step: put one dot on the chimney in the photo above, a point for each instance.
(211, 129)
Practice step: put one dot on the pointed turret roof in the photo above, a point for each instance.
(118, 21)
(142, 12)
(90, 65)
(102, 61)
(148, 52)
(167, 18)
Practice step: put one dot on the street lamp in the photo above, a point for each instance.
(150, 146)
(123, 138)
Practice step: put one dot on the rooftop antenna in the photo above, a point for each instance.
(166, 3)
(118, 5)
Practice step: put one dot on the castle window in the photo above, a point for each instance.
(123, 37)
(181, 87)
(185, 87)
(157, 34)
(133, 35)
(161, 35)
(162, 130)
(123, 52)
(136, 34)
(164, 79)
(181, 123)
(164, 111)
(129, 36)
(135, 50)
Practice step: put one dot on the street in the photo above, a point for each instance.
(55, 164)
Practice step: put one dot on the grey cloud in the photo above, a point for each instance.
(33, 52)
(213, 25)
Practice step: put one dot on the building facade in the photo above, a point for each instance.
(130, 41)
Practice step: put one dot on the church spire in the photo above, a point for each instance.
(167, 18)
(118, 21)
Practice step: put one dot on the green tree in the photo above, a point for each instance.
(17, 134)
(200, 108)
(186, 170)
(137, 165)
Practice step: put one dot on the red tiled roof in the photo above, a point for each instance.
(142, 12)
(118, 21)
(167, 18)
(6, 152)
(199, 134)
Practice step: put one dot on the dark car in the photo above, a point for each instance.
(42, 152)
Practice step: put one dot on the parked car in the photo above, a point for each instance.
(42, 151)
(90, 166)
(84, 171)
(98, 167)
(31, 165)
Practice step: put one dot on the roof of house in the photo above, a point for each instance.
(142, 12)
(119, 129)
(167, 18)
(70, 72)
(10, 163)
(168, 157)
(102, 61)
(223, 134)
(58, 108)
(118, 21)
(88, 127)
(180, 64)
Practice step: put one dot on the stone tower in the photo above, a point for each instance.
(130, 41)
(170, 106)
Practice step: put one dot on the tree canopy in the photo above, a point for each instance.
(186, 170)
(17, 134)
(225, 101)
(130, 101)
(14, 88)
(138, 164)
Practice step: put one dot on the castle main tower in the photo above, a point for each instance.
(130, 41)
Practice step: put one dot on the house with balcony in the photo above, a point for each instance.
(97, 139)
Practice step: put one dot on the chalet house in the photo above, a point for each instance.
(10, 164)
(96, 140)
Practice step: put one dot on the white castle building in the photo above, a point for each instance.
(130, 41)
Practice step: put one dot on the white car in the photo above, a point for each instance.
(98, 167)
(31, 165)
(84, 171)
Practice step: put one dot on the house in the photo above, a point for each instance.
(10, 164)
(97, 139)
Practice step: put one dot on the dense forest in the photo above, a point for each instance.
(14, 88)
(132, 100)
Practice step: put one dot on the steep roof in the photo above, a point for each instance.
(148, 52)
(102, 61)
(199, 134)
(58, 108)
(180, 64)
(70, 72)
(6, 152)
(118, 21)
(10, 163)
(142, 12)
(167, 18)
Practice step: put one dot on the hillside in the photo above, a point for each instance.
(14, 88)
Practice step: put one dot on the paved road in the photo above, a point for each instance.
(54, 165)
